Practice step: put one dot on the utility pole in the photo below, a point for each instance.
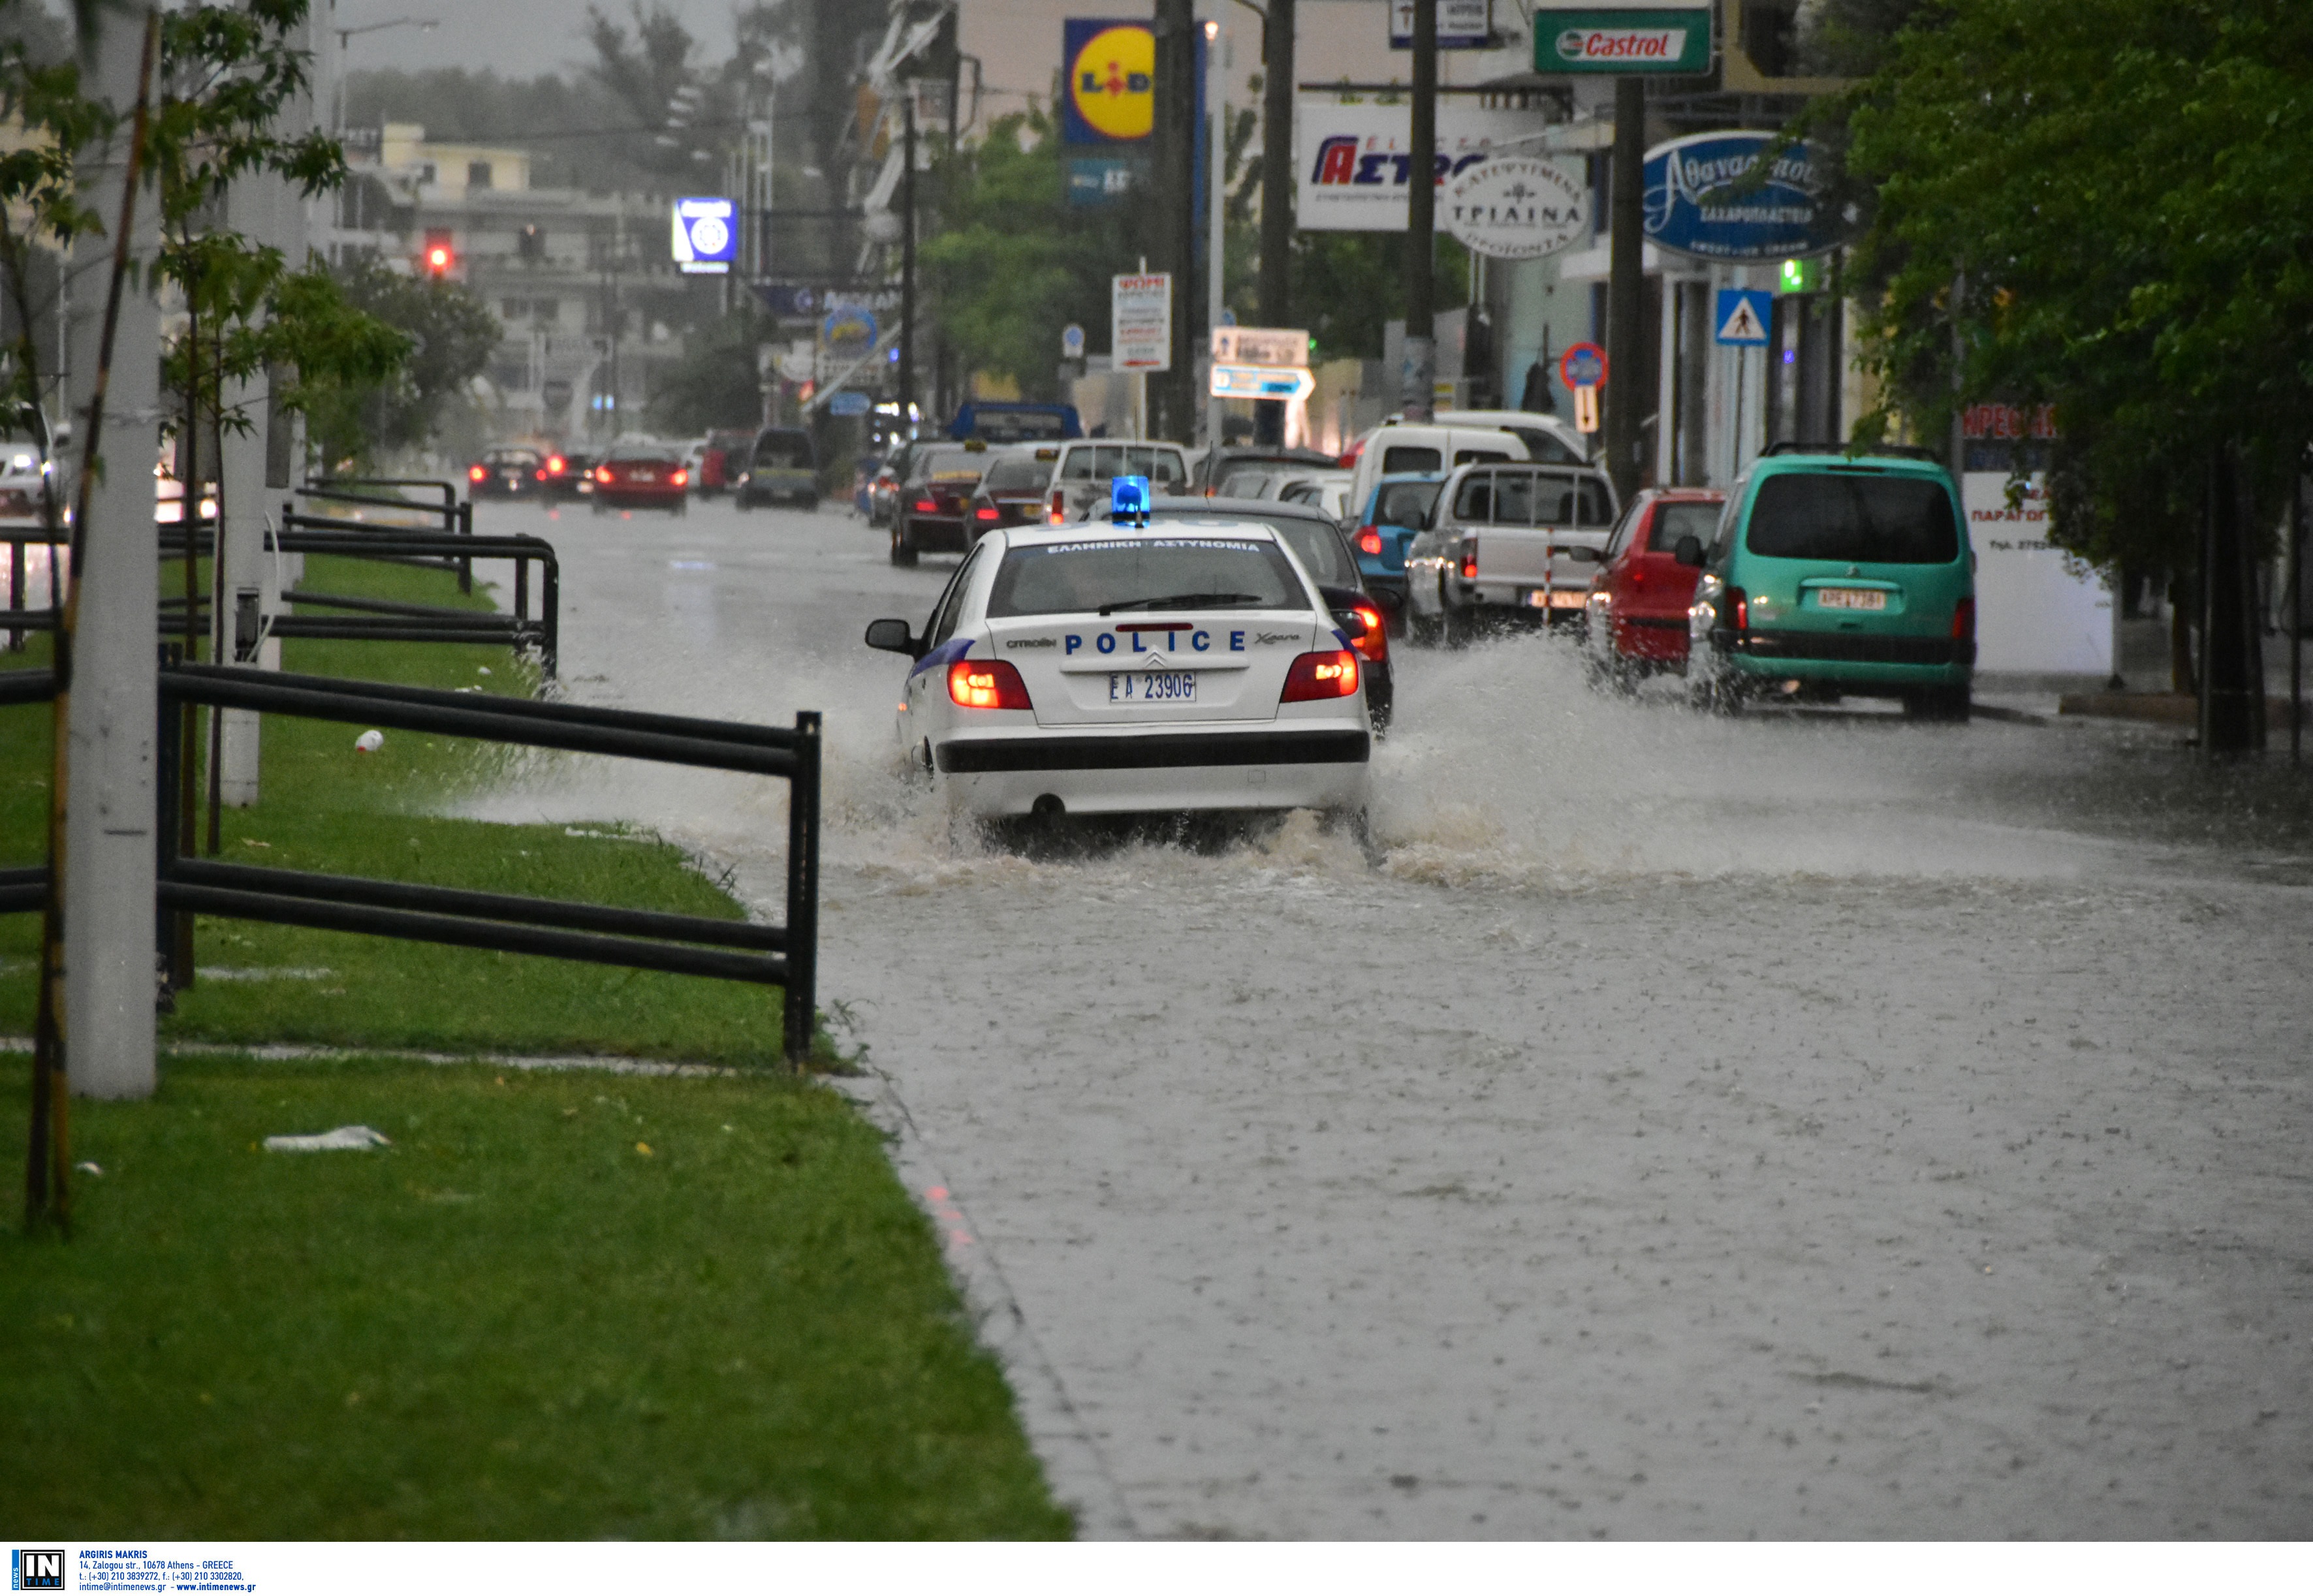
(1278, 178)
(907, 258)
(1176, 147)
(1418, 371)
(1626, 394)
(1216, 212)
(109, 860)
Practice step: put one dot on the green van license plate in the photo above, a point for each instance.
(1851, 598)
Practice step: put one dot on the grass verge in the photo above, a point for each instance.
(326, 807)
(512, 1323)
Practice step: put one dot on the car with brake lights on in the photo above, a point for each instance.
(1318, 542)
(1083, 471)
(1012, 492)
(564, 478)
(1829, 574)
(1508, 544)
(1130, 666)
(1395, 514)
(933, 514)
(1637, 623)
(642, 478)
(507, 473)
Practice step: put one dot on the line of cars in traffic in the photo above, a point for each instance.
(1820, 574)
(769, 466)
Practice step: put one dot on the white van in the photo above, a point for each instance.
(1395, 447)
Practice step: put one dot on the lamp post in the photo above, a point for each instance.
(1215, 252)
(346, 36)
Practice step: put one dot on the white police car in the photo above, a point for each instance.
(1113, 667)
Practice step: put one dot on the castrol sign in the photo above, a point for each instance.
(1631, 38)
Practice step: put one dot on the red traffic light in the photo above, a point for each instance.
(440, 255)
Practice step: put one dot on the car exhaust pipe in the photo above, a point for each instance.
(1048, 807)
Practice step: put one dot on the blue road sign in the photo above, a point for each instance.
(1744, 316)
(849, 402)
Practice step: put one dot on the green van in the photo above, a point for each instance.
(1831, 575)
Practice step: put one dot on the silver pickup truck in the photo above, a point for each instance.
(1508, 543)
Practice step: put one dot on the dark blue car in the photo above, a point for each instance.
(1398, 512)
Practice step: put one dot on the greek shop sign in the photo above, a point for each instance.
(1515, 207)
(1702, 199)
(1356, 159)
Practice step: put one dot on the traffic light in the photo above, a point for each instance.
(440, 253)
(1802, 276)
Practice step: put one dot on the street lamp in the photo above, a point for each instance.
(346, 37)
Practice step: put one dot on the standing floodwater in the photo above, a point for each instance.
(1816, 1125)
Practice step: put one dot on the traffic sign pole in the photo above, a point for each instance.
(1626, 282)
(1418, 373)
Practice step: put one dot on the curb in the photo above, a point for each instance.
(1079, 1475)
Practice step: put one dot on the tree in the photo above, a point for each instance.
(2104, 206)
(714, 384)
(355, 411)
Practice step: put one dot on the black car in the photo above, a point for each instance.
(566, 477)
(1316, 542)
(509, 473)
(934, 500)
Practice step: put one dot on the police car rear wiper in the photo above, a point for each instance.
(1207, 599)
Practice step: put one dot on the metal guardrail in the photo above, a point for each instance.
(784, 955)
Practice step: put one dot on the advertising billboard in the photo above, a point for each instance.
(1355, 160)
(1708, 196)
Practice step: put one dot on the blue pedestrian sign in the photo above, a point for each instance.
(1745, 314)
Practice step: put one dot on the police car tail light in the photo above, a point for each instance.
(1963, 621)
(1369, 539)
(1373, 641)
(1330, 674)
(987, 684)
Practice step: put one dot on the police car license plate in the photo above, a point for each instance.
(1152, 687)
(1851, 598)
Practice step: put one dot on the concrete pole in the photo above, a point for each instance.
(1418, 365)
(266, 210)
(109, 974)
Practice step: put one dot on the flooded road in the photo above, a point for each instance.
(1798, 1126)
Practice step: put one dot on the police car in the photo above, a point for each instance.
(1118, 667)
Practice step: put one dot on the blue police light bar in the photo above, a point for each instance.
(1129, 501)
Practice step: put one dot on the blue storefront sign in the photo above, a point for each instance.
(1704, 197)
(1103, 179)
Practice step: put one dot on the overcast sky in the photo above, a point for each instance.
(515, 37)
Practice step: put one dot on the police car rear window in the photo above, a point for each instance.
(1886, 521)
(1097, 575)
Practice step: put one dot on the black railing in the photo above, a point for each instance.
(784, 955)
(456, 514)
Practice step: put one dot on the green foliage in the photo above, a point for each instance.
(2122, 185)
(353, 413)
(714, 384)
(1346, 285)
(1009, 263)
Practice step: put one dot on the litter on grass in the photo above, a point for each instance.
(346, 1138)
(370, 741)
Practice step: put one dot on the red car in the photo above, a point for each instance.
(1638, 597)
(642, 479)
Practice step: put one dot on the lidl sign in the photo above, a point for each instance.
(1112, 94)
(1672, 40)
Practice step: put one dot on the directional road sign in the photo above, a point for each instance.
(1745, 314)
(1263, 381)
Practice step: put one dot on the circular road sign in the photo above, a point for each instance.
(1583, 365)
(1072, 342)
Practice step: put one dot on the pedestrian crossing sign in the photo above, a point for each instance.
(1744, 315)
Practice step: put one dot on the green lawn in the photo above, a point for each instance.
(512, 1323)
(326, 807)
